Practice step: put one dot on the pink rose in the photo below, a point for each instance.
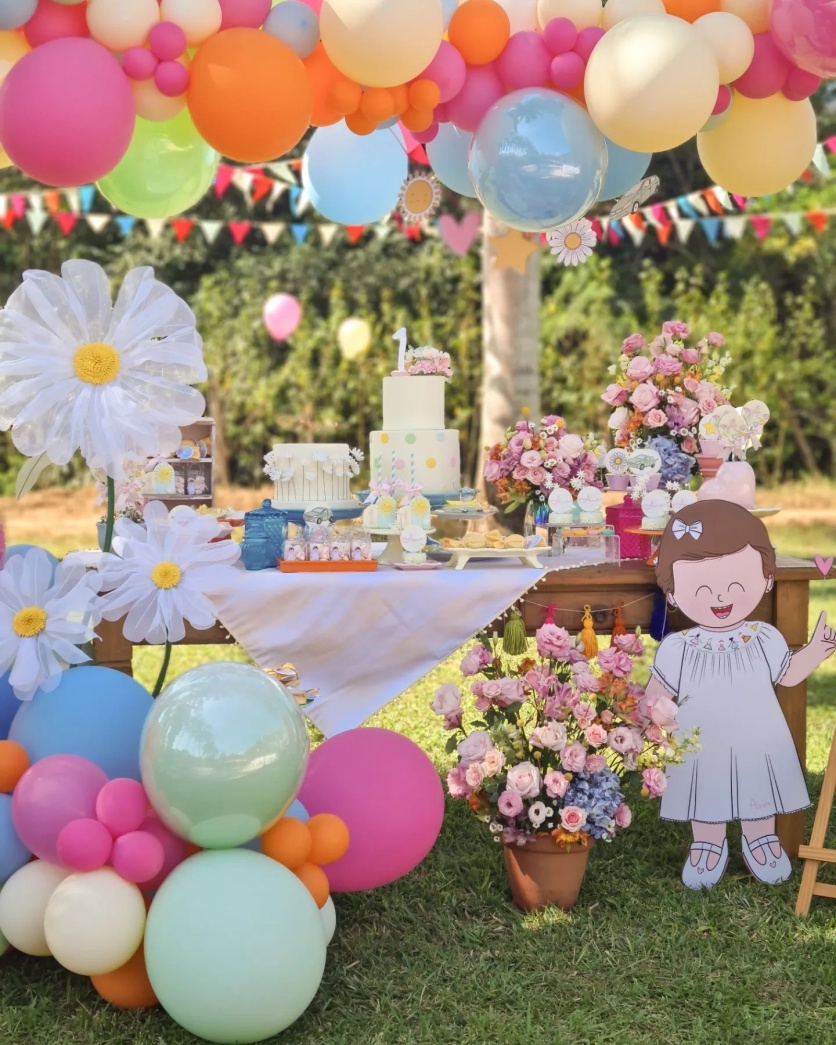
(474, 660)
(618, 418)
(707, 406)
(556, 785)
(491, 690)
(676, 328)
(447, 700)
(474, 775)
(655, 419)
(509, 803)
(655, 735)
(573, 757)
(632, 344)
(660, 710)
(596, 735)
(689, 445)
(715, 340)
(659, 345)
(524, 779)
(511, 691)
(531, 459)
(667, 366)
(690, 356)
(552, 641)
(551, 736)
(494, 470)
(607, 718)
(572, 818)
(623, 816)
(692, 385)
(561, 702)
(584, 679)
(655, 782)
(689, 411)
(640, 369)
(644, 398)
(457, 784)
(616, 662)
(629, 643)
(584, 714)
(571, 446)
(615, 395)
(540, 680)
(623, 740)
(474, 747)
(594, 764)
(493, 762)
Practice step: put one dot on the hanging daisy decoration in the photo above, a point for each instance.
(419, 197)
(573, 243)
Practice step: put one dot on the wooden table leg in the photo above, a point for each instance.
(113, 650)
(820, 824)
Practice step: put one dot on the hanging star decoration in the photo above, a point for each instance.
(573, 243)
(512, 251)
(419, 197)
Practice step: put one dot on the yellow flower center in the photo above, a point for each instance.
(166, 575)
(572, 241)
(29, 622)
(96, 363)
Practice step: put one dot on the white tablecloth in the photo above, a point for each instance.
(361, 639)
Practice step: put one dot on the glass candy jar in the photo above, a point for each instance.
(265, 531)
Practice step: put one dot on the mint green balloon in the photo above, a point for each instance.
(168, 167)
(234, 946)
(223, 753)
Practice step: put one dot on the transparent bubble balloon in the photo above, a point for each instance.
(537, 160)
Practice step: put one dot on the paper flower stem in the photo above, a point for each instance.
(111, 513)
(163, 670)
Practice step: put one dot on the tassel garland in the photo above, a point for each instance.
(618, 627)
(515, 640)
(588, 638)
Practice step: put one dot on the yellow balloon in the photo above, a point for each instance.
(582, 13)
(13, 47)
(617, 10)
(354, 337)
(731, 40)
(23, 901)
(381, 43)
(199, 19)
(123, 25)
(651, 83)
(755, 13)
(151, 105)
(765, 145)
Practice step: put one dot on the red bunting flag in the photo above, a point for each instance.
(597, 228)
(712, 201)
(663, 233)
(182, 227)
(355, 233)
(239, 231)
(818, 219)
(8, 219)
(66, 221)
(262, 186)
(761, 223)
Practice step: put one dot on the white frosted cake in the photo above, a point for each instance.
(310, 475)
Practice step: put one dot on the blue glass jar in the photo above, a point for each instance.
(265, 531)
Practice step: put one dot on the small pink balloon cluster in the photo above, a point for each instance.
(771, 71)
(166, 44)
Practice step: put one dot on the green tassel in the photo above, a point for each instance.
(515, 640)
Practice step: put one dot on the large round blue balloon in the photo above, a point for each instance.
(13, 853)
(22, 549)
(447, 153)
(537, 160)
(96, 713)
(624, 170)
(297, 811)
(354, 179)
(9, 706)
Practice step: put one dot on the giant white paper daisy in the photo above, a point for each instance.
(573, 243)
(43, 621)
(162, 573)
(77, 372)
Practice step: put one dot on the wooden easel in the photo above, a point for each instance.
(815, 853)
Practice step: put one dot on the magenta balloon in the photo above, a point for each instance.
(282, 315)
(525, 61)
(249, 14)
(447, 70)
(50, 794)
(392, 828)
(138, 857)
(587, 41)
(724, 98)
(167, 41)
(805, 30)
(84, 845)
(122, 806)
(52, 21)
(175, 850)
(560, 35)
(482, 88)
(767, 72)
(800, 85)
(66, 112)
(427, 136)
(567, 71)
(171, 78)
(139, 63)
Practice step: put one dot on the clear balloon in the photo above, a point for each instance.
(295, 24)
(537, 161)
(447, 154)
(23, 902)
(13, 853)
(282, 314)
(354, 337)
(624, 170)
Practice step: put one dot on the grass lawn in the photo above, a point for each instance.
(442, 957)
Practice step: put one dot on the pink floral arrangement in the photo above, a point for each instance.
(428, 361)
(666, 387)
(554, 738)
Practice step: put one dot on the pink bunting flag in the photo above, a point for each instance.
(831, 143)
(761, 223)
(741, 201)
(598, 228)
(66, 221)
(239, 230)
(223, 179)
(182, 227)
(460, 235)
(18, 205)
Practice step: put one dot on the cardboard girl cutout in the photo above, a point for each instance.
(715, 564)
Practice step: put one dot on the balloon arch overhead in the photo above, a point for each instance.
(540, 108)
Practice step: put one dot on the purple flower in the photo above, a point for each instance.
(509, 803)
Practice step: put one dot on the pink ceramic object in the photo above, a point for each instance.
(735, 482)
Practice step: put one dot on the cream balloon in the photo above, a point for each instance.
(123, 25)
(94, 922)
(199, 19)
(755, 13)
(584, 14)
(731, 41)
(765, 145)
(651, 83)
(328, 913)
(522, 14)
(151, 105)
(354, 337)
(23, 901)
(617, 10)
(381, 43)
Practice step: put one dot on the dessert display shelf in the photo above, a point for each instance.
(393, 552)
(460, 557)
(188, 477)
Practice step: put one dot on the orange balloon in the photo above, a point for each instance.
(129, 986)
(424, 94)
(288, 841)
(479, 30)
(359, 124)
(377, 104)
(417, 119)
(400, 98)
(330, 838)
(249, 96)
(691, 10)
(14, 761)
(345, 95)
(322, 76)
(316, 882)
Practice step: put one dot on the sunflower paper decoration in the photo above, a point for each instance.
(419, 196)
(573, 243)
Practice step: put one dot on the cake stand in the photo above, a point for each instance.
(393, 552)
(655, 537)
(297, 517)
(463, 517)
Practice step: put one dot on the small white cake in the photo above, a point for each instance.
(561, 508)
(310, 475)
(590, 500)
(656, 509)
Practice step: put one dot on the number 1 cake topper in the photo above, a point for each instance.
(400, 337)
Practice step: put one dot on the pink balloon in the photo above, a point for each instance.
(385, 844)
(53, 21)
(768, 70)
(139, 63)
(723, 100)
(138, 856)
(122, 806)
(314, 5)
(567, 71)
(67, 112)
(800, 85)
(175, 850)
(440, 113)
(427, 136)
(805, 31)
(587, 41)
(282, 315)
(167, 41)
(249, 14)
(171, 79)
(49, 795)
(447, 70)
(560, 35)
(482, 89)
(84, 845)
(524, 61)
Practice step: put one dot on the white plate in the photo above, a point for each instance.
(764, 513)
(416, 565)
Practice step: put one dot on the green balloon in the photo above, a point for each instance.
(234, 946)
(223, 753)
(168, 167)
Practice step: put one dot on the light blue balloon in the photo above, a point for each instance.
(447, 153)
(22, 549)
(9, 706)
(234, 946)
(296, 25)
(537, 160)
(96, 713)
(15, 13)
(298, 811)
(13, 853)
(448, 9)
(353, 179)
(624, 170)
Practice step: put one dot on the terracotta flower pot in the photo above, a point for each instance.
(545, 874)
(709, 466)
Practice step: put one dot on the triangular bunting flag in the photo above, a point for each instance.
(818, 219)
(820, 161)
(262, 186)
(304, 203)
(597, 228)
(73, 200)
(793, 222)
(354, 233)
(831, 143)
(761, 223)
(711, 227)
(327, 233)
(210, 230)
(741, 201)
(663, 233)
(239, 230)
(87, 195)
(36, 202)
(660, 215)
(673, 211)
(155, 227)
(182, 227)
(383, 231)
(734, 227)
(52, 199)
(713, 202)
(126, 223)
(98, 222)
(300, 232)
(271, 230)
(66, 221)
(37, 219)
(276, 193)
(295, 193)
(18, 205)
(687, 207)
(635, 229)
(724, 198)
(8, 219)
(223, 179)
(699, 204)
(419, 155)
(684, 228)
(284, 172)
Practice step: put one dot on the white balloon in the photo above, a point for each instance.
(199, 19)
(23, 902)
(521, 13)
(583, 14)
(617, 10)
(731, 40)
(329, 919)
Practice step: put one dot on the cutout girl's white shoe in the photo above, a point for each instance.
(776, 869)
(698, 876)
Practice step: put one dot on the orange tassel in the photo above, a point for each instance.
(618, 627)
(588, 638)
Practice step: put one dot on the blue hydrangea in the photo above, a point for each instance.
(599, 795)
(676, 466)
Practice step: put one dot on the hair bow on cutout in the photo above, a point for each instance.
(680, 529)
